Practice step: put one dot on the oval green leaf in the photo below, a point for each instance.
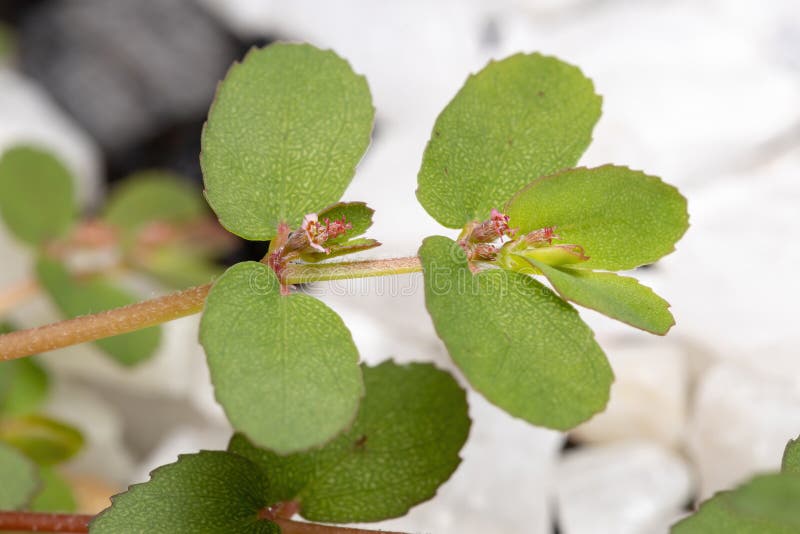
(283, 138)
(622, 218)
(404, 444)
(91, 294)
(211, 491)
(618, 297)
(44, 440)
(19, 479)
(36, 195)
(520, 118)
(284, 367)
(518, 343)
(765, 505)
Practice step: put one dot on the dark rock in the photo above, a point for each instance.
(126, 70)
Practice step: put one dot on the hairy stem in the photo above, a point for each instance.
(41, 522)
(187, 302)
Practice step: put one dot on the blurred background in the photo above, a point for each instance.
(704, 94)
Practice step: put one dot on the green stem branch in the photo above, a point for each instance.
(169, 307)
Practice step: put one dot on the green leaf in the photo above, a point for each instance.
(358, 244)
(23, 384)
(20, 479)
(791, 457)
(622, 218)
(356, 213)
(44, 440)
(404, 444)
(618, 297)
(80, 296)
(518, 343)
(152, 196)
(284, 367)
(36, 195)
(283, 138)
(765, 505)
(180, 267)
(211, 491)
(520, 118)
(56, 494)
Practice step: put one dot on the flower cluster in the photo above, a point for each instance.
(494, 240)
(313, 234)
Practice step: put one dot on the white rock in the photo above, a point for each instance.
(387, 318)
(742, 420)
(502, 485)
(733, 279)
(648, 397)
(633, 487)
(105, 454)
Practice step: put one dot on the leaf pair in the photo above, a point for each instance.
(505, 140)
(283, 138)
(403, 445)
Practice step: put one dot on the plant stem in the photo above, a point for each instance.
(39, 522)
(296, 527)
(187, 302)
(76, 523)
(304, 273)
(16, 294)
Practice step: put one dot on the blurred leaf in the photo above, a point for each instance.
(36, 195)
(355, 213)
(284, 367)
(56, 494)
(23, 386)
(618, 297)
(23, 383)
(283, 138)
(404, 444)
(517, 119)
(80, 296)
(765, 505)
(44, 440)
(358, 244)
(210, 491)
(622, 218)
(152, 196)
(19, 479)
(519, 344)
(180, 267)
(791, 457)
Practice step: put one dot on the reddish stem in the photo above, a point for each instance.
(76, 523)
(39, 522)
